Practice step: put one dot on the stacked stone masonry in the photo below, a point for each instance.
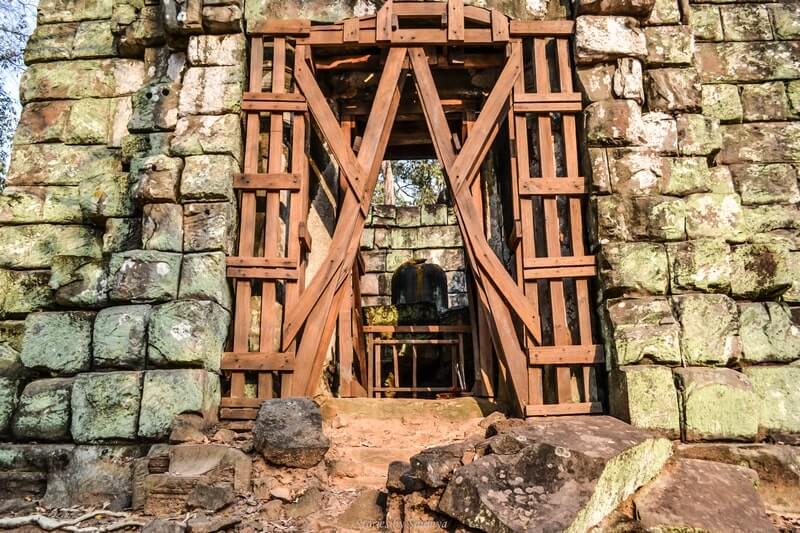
(694, 150)
(116, 218)
(394, 235)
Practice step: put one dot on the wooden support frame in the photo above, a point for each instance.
(510, 311)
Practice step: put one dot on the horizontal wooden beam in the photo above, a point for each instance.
(562, 261)
(274, 106)
(263, 262)
(590, 354)
(556, 409)
(267, 182)
(236, 402)
(262, 361)
(417, 329)
(238, 414)
(271, 273)
(553, 186)
(415, 341)
(534, 98)
(560, 272)
(282, 27)
(277, 97)
(547, 107)
(541, 28)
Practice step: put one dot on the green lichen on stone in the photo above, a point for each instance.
(43, 410)
(665, 12)
(203, 277)
(196, 135)
(79, 281)
(765, 101)
(120, 337)
(122, 234)
(89, 122)
(746, 23)
(85, 78)
(786, 20)
(666, 217)
(705, 22)
(715, 216)
(34, 246)
(717, 404)
(187, 333)
(698, 134)
(709, 327)
(28, 205)
(700, 265)
(94, 39)
(766, 184)
(60, 164)
(58, 342)
(642, 330)
(634, 268)
(23, 291)
(208, 177)
(73, 10)
(669, 45)
(144, 275)
(8, 401)
(211, 90)
(759, 271)
(645, 397)
(381, 315)
(11, 332)
(167, 393)
(778, 398)
(768, 333)
(793, 94)
(721, 101)
(105, 406)
(686, 175)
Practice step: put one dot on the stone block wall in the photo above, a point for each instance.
(116, 218)
(394, 235)
(694, 148)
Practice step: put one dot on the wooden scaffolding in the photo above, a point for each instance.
(537, 322)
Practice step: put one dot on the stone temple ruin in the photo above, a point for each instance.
(595, 325)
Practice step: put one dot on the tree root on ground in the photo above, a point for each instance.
(51, 524)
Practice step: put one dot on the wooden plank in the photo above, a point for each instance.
(395, 342)
(554, 186)
(259, 273)
(345, 337)
(548, 107)
(499, 26)
(273, 106)
(238, 414)
(556, 409)
(282, 27)
(418, 389)
(249, 403)
(414, 10)
(383, 23)
(350, 30)
(534, 98)
(417, 329)
(591, 354)
(541, 28)
(261, 262)
(274, 96)
(434, 36)
(477, 14)
(455, 21)
(280, 181)
(563, 261)
(273, 361)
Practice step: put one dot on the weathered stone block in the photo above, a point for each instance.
(673, 89)
(614, 122)
(407, 216)
(42, 122)
(709, 327)
(721, 101)
(79, 281)
(785, 18)
(144, 276)
(404, 238)
(669, 45)
(642, 330)
(759, 271)
(208, 134)
(58, 342)
(60, 164)
(434, 215)
(207, 226)
(86, 78)
(122, 234)
(203, 278)
(769, 333)
(700, 265)
(289, 432)
(107, 196)
(168, 393)
(35, 245)
(760, 143)
(120, 337)
(698, 135)
(765, 101)
(714, 215)
(660, 218)
(604, 38)
(778, 398)
(595, 82)
(633, 8)
(208, 177)
(746, 23)
(437, 237)
(187, 333)
(706, 22)
(717, 404)
(211, 90)
(155, 107)
(661, 132)
(157, 177)
(89, 122)
(597, 162)
(635, 171)
(147, 30)
(73, 10)
(74, 40)
(628, 79)
(665, 12)
(634, 269)
(8, 402)
(162, 227)
(686, 175)
(216, 50)
(23, 291)
(613, 218)
(752, 61)
(766, 184)
(11, 333)
(645, 397)
(43, 411)
(222, 19)
(793, 93)
(447, 258)
(105, 406)
(720, 180)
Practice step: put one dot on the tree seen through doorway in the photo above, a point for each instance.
(410, 182)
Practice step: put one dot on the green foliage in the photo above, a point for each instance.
(416, 182)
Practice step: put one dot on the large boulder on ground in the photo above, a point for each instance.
(560, 474)
(777, 466)
(696, 495)
(289, 432)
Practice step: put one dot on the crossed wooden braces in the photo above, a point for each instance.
(317, 309)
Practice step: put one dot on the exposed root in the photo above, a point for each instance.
(51, 524)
